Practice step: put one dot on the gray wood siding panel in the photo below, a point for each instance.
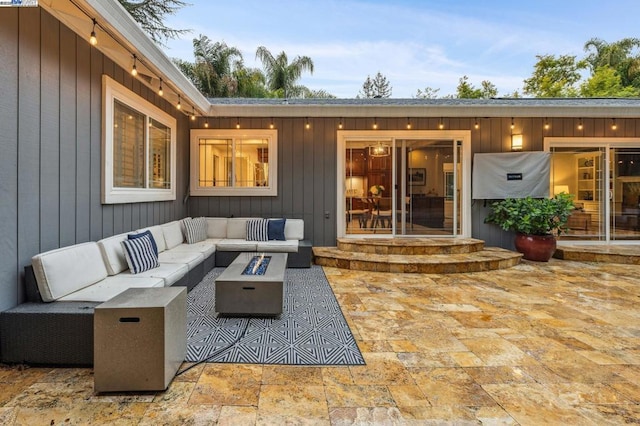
(50, 134)
(68, 137)
(50, 167)
(83, 142)
(9, 72)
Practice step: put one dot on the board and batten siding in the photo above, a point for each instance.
(50, 140)
(307, 164)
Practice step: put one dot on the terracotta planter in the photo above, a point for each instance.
(539, 248)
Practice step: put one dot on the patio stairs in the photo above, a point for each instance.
(415, 255)
(628, 254)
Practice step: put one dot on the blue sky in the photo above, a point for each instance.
(415, 44)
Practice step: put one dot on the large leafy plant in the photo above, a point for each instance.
(532, 216)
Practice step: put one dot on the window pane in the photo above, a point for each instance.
(212, 171)
(128, 147)
(159, 155)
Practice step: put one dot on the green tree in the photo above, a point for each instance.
(617, 55)
(317, 94)
(605, 82)
(378, 87)
(281, 75)
(554, 77)
(466, 90)
(150, 14)
(213, 70)
(251, 83)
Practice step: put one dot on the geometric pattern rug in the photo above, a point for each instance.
(310, 331)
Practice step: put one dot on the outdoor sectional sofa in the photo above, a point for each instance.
(63, 286)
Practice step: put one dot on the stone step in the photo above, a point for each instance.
(614, 253)
(411, 246)
(491, 258)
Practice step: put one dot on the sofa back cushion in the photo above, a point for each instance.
(172, 232)
(294, 229)
(237, 228)
(158, 237)
(216, 227)
(112, 254)
(65, 270)
(257, 230)
(195, 229)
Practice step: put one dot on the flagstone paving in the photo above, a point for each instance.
(539, 343)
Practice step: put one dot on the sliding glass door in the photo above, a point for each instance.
(403, 186)
(604, 177)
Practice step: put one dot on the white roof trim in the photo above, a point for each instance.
(111, 15)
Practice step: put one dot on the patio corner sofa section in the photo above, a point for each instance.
(63, 286)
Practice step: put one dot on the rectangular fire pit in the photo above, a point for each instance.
(252, 285)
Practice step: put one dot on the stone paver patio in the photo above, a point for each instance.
(555, 343)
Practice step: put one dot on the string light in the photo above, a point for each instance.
(160, 91)
(408, 123)
(134, 69)
(307, 125)
(614, 126)
(179, 105)
(193, 114)
(271, 125)
(546, 124)
(512, 124)
(206, 123)
(93, 39)
(476, 125)
(441, 123)
(580, 126)
(340, 125)
(237, 123)
(375, 124)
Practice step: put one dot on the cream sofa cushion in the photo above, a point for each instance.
(294, 229)
(236, 244)
(112, 254)
(68, 269)
(111, 287)
(237, 228)
(169, 272)
(191, 259)
(172, 232)
(276, 246)
(216, 227)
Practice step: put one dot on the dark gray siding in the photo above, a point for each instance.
(307, 164)
(50, 136)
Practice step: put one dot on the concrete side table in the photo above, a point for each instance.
(140, 339)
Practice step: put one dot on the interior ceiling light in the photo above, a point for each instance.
(379, 150)
(134, 69)
(93, 39)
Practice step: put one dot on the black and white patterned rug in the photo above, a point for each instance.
(310, 331)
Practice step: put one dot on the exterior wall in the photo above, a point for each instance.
(307, 164)
(50, 136)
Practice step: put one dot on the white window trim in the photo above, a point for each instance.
(270, 190)
(112, 90)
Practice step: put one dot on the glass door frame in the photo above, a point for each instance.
(607, 143)
(461, 137)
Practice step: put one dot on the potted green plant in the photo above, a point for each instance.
(536, 221)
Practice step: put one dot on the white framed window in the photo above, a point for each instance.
(138, 148)
(230, 162)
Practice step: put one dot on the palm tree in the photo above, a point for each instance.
(214, 67)
(282, 75)
(616, 55)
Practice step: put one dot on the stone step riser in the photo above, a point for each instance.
(411, 247)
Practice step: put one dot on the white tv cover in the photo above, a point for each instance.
(497, 176)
